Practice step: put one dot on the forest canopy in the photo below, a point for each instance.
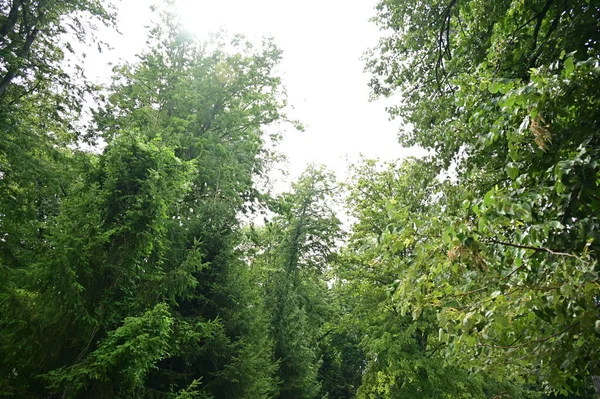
(154, 263)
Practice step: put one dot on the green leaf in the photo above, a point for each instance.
(512, 170)
(493, 87)
(555, 224)
(488, 198)
(569, 66)
(562, 54)
(502, 321)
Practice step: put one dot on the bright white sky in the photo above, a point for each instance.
(322, 41)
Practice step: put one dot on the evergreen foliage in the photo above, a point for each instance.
(297, 246)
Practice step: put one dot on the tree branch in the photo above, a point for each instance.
(535, 341)
(536, 249)
(536, 31)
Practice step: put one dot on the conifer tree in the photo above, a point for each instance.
(296, 249)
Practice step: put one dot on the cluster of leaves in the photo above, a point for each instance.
(501, 257)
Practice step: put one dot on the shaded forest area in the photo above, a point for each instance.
(129, 267)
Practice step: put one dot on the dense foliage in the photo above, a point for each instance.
(131, 269)
(121, 270)
(505, 94)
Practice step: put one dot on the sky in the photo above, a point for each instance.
(322, 42)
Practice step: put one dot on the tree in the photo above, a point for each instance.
(211, 106)
(506, 93)
(296, 247)
(38, 103)
(80, 297)
(30, 53)
(394, 206)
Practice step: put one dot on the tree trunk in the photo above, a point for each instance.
(10, 74)
(11, 20)
(596, 381)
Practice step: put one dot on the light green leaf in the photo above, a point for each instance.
(569, 66)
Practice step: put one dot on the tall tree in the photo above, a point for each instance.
(210, 105)
(297, 246)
